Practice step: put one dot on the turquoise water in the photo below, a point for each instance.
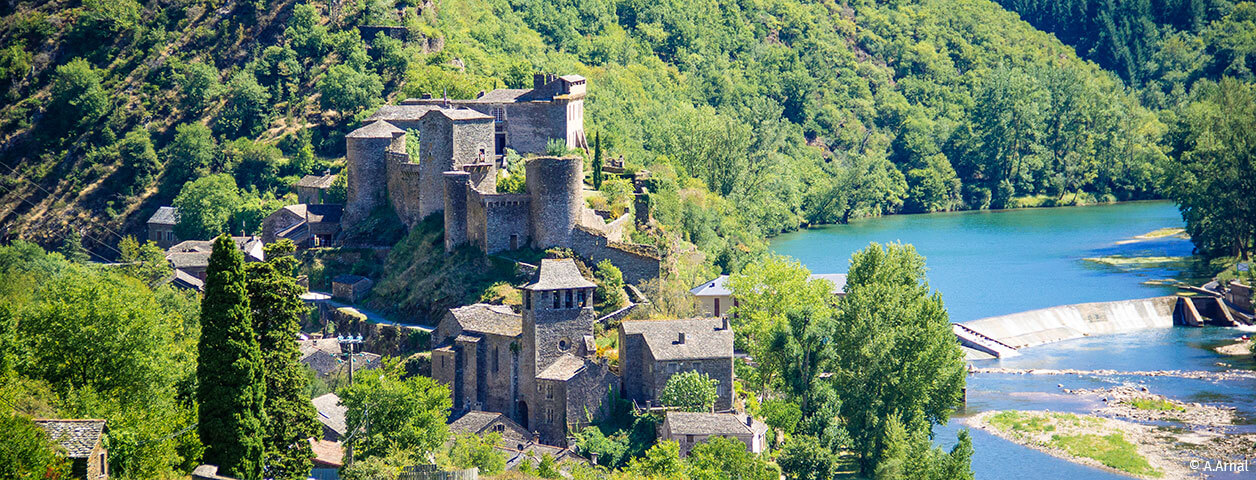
(995, 263)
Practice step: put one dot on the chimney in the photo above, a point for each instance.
(724, 323)
(538, 81)
(536, 437)
(680, 340)
(749, 421)
(593, 457)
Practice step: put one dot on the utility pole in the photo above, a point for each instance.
(348, 343)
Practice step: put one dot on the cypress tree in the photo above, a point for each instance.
(230, 388)
(597, 160)
(274, 297)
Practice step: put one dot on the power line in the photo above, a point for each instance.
(14, 171)
(89, 252)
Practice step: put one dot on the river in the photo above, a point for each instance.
(995, 263)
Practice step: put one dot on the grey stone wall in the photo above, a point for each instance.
(654, 377)
(549, 416)
(506, 215)
(554, 184)
(435, 158)
(367, 177)
(632, 260)
(456, 185)
(588, 392)
(558, 330)
(470, 138)
(404, 183)
(632, 366)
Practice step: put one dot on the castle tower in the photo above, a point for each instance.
(448, 140)
(557, 315)
(456, 184)
(366, 153)
(554, 184)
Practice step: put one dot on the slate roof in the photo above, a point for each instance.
(477, 421)
(484, 318)
(690, 423)
(316, 181)
(77, 437)
(378, 129)
(186, 280)
(556, 273)
(330, 413)
(165, 216)
(563, 369)
(718, 287)
(250, 246)
(183, 260)
(316, 213)
(503, 95)
(460, 114)
(704, 338)
(348, 279)
(401, 112)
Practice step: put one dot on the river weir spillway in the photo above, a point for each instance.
(1003, 335)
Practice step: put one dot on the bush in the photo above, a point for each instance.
(609, 294)
(690, 391)
(76, 97)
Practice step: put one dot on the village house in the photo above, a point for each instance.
(689, 429)
(481, 423)
(539, 367)
(651, 351)
(190, 259)
(325, 357)
(306, 225)
(715, 299)
(161, 226)
(351, 288)
(328, 451)
(82, 442)
(312, 189)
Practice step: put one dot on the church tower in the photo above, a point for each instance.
(557, 319)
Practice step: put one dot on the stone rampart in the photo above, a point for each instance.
(554, 184)
(498, 222)
(638, 263)
(403, 187)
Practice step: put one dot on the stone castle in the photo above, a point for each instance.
(455, 171)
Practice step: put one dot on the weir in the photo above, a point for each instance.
(1001, 336)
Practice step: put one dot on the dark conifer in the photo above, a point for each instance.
(229, 370)
(597, 161)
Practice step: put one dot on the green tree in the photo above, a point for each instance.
(146, 262)
(895, 350)
(690, 391)
(348, 90)
(231, 387)
(198, 82)
(597, 161)
(806, 458)
(1214, 181)
(139, 159)
(191, 152)
(206, 205)
(26, 452)
(727, 458)
(474, 451)
(246, 111)
(911, 455)
(72, 247)
(662, 461)
(385, 412)
(609, 294)
(277, 311)
(76, 98)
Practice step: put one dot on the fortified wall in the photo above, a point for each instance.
(454, 174)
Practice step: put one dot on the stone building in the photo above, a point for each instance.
(313, 188)
(190, 259)
(651, 351)
(523, 119)
(82, 441)
(689, 429)
(161, 226)
(307, 225)
(477, 422)
(538, 368)
(351, 288)
(454, 174)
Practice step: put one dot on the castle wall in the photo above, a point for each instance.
(493, 219)
(470, 138)
(529, 125)
(554, 184)
(638, 263)
(404, 183)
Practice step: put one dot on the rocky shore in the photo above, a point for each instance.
(1162, 436)
(1189, 374)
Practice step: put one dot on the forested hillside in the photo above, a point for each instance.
(756, 117)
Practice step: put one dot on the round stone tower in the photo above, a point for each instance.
(554, 185)
(366, 156)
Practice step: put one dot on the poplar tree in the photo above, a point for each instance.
(597, 161)
(230, 388)
(274, 298)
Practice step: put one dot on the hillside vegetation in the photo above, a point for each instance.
(758, 116)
